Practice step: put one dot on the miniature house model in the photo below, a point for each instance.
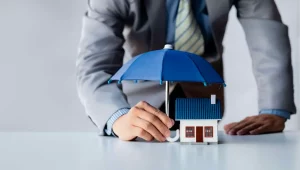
(198, 119)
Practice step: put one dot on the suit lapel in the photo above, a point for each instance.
(218, 11)
(156, 11)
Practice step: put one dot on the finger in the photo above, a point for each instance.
(239, 126)
(229, 126)
(162, 116)
(148, 127)
(259, 130)
(247, 129)
(159, 125)
(139, 132)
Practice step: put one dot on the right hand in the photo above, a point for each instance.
(144, 121)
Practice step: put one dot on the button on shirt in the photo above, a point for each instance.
(201, 14)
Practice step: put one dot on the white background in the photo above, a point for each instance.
(38, 49)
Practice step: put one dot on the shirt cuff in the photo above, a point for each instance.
(112, 120)
(282, 113)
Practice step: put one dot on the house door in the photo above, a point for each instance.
(199, 134)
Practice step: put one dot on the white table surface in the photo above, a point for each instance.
(87, 151)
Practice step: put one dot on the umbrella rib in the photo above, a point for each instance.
(201, 73)
(133, 63)
(197, 68)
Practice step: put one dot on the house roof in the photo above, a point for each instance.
(197, 108)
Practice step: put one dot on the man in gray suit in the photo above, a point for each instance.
(114, 29)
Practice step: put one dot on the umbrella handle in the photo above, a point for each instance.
(175, 138)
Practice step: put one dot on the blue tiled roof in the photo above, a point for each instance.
(197, 108)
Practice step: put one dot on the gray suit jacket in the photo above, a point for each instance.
(113, 29)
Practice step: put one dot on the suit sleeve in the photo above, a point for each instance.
(270, 49)
(100, 56)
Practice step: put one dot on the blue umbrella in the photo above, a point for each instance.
(168, 65)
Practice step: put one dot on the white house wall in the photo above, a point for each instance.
(184, 123)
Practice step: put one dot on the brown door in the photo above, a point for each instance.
(199, 134)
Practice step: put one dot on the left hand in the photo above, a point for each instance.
(254, 125)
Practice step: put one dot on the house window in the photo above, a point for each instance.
(190, 132)
(209, 132)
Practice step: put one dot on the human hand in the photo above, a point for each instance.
(254, 125)
(144, 121)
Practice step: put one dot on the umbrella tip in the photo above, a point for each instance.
(120, 81)
(224, 85)
(168, 47)
(205, 84)
(109, 81)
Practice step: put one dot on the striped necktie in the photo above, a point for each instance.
(188, 36)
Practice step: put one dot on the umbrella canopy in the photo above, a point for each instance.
(169, 65)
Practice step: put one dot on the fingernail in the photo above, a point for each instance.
(170, 124)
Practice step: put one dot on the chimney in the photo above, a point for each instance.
(213, 99)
